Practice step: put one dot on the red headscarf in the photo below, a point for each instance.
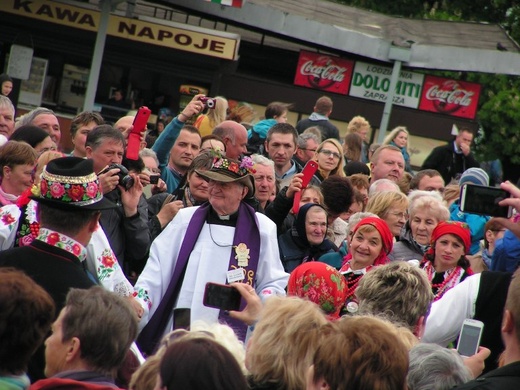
(386, 237)
(459, 229)
(321, 284)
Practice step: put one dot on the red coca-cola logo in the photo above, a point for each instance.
(449, 96)
(323, 72)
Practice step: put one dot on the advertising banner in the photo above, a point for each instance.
(451, 97)
(373, 82)
(324, 72)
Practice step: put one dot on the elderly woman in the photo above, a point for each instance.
(425, 213)
(319, 283)
(329, 156)
(306, 241)
(369, 247)
(283, 343)
(391, 206)
(445, 262)
(399, 137)
(17, 161)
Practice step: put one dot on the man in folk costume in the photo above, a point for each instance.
(69, 203)
(222, 241)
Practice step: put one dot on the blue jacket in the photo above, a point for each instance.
(506, 256)
(162, 148)
(475, 222)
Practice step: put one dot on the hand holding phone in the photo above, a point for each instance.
(221, 297)
(477, 199)
(134, 138)
(469, 337)
(308, 172)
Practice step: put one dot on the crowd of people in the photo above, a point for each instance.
(356, 274)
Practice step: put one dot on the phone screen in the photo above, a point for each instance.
(221, 297)
(469, 340)
(484, 200)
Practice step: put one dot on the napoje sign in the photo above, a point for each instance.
(146, 30)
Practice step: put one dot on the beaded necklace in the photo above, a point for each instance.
(451, 278)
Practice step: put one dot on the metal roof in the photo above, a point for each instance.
(447, 45)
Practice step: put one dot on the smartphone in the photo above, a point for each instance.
(154, 179)
(221, 296)
(134, 138)
(469, 337)
(477, 199)
(308, 172)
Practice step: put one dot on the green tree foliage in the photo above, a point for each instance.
(499, 106)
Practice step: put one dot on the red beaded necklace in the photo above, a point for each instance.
(448, 282)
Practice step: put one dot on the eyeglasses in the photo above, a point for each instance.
(309, 150)
(400, 215)
(329, 153)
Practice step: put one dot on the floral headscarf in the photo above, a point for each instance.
(321, 284)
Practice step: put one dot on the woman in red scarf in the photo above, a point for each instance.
(445, 262)
(319, 283)
(370, 245)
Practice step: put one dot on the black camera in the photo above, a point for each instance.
(125, 179)
(211, 103)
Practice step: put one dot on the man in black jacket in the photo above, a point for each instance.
(126, 226)
(320, 119)
(453, 159)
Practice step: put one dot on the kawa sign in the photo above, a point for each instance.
(324, 72)
(451, 97)
(373, 82)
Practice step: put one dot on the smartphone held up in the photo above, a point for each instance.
(477, 199)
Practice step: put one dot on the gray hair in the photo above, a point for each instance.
(303, 138)
(146, 152)
(378, 185)
(433, 367)
(6, 102)
(355, 218)
(262, 160)
(28, 118)
(433, 204)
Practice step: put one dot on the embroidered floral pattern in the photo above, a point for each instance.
(106, 261)
(7, 219)
(63, 242)
(68, 192)
(141, 293)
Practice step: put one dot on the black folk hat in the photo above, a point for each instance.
(70, 183)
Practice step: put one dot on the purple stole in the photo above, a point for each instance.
(246, 231)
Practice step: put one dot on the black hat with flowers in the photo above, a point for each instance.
(227, 170)
(70, 183)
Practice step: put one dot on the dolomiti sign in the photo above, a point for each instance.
(372, 81)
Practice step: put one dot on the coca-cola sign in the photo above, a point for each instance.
(451, 97)
(323, 72)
